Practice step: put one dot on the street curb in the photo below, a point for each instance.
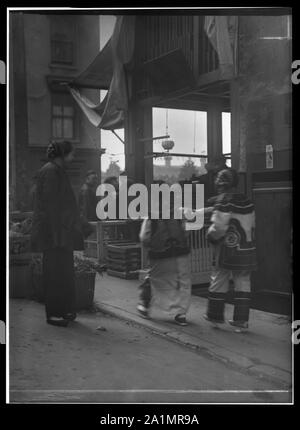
(236, 362)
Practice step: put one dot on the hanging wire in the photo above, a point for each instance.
(166, 121)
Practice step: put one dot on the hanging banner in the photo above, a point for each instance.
(222, 33)
(118, 52)
(92, 111)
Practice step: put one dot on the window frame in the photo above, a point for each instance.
(54, 116)
(70, 38)
(62, 61)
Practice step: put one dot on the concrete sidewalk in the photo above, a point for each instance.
(266, 350)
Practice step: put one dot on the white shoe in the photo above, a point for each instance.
(143, 311)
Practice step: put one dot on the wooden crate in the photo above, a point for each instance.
(106, 232)
(123, 275)
(124, 260)
(115, 264)
(124, 251)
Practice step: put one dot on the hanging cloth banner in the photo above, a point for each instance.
(222, 33)
(118, 52)
(92, 111)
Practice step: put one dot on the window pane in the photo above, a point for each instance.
(57, 110)
(62, 52)
(62, 38)
(68, 128)
(188, 130)
(68, 111)
(57, 127)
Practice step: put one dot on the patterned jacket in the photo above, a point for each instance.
(232, 230)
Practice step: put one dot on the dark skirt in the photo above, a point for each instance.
(59, 282)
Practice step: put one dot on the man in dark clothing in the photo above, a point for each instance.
(87, 200)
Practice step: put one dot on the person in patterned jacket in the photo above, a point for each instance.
(231, 234)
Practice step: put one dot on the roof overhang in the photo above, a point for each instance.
(98, 74)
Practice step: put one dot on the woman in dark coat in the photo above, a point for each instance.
(57, 232)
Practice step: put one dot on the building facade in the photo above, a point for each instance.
(45, 52)
(237, 64)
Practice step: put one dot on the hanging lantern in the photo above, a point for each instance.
(167, 144)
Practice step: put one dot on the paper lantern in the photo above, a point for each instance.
(168, 144)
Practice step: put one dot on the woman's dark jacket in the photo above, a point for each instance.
(56, 221)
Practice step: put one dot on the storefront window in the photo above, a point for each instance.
(188, 130)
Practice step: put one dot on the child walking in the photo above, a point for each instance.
(168, 251)
(231, 234)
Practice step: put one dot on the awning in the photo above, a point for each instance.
(99, 73)
(107, 72)
(109, 114)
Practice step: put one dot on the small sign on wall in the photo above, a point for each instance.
(269, 157)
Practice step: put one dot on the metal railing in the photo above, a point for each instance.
(200, 256)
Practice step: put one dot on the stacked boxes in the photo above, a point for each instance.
(124, 260)
(106, 232)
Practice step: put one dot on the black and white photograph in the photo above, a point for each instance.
(149, 207)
